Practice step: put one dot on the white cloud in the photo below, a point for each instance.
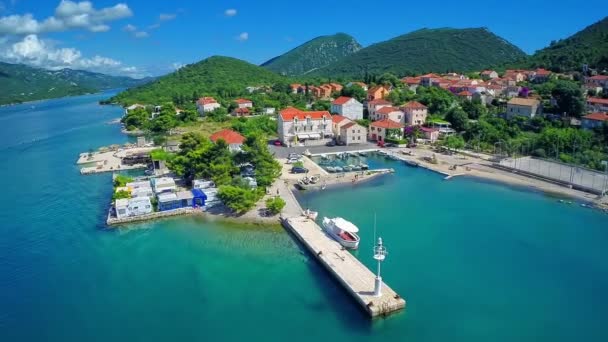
(231, 12)
(141, 34)
(243, 36)
(166, 16)
(68, 15)
(177, 66)
(37, 52)
(129, 28)
(154, 26)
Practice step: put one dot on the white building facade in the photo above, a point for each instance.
(302, 127)
(347, 107)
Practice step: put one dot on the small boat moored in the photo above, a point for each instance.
(309, 214)
(342, 231)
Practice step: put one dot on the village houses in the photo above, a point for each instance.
(243, 103)
(352, 133)
(348, 107)
(415, 113)
(380, 130)
(594, 120)
(232, 138)
(374, 105)
(518, 106)
(307, 127)
(377, 93)
(488, 74)
(206, 105)
(390, 113)
(596, 104)
(597, 83)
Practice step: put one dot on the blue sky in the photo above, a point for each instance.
(139, 38)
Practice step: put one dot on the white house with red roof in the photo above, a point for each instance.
(232, 138)
(241, 112)
(206, 105)
(540, 75)
(465, 95)
(488, 74)
(429, 80)
(390, 113)
(307, 127)
(374, 105)
(596, 104)
(430, 133)
(415, 113)
(597, 83)
(243, 103)
(348, 107)
(352, 133)
(380, 130)
(594, 120)
(337, 121)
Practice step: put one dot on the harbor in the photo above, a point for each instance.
(355, 277)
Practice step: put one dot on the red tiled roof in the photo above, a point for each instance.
(428, 129)
(375, 89)
(349, 125)
(206, 100)
(543, 72)
(289, 113)
(341, 100)
(599, 77)
(597, 116)
(229, 136)
(363, 85)
(242, 101)
(414, 105)
(338, 118)
(465, 93)
(597, 100)
(430, 76)
(387, 110)
(379, 102)
(241, 110)
(387, 123)
(411, 80)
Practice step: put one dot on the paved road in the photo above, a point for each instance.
(283, 152)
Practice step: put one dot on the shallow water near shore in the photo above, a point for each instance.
(476, 261)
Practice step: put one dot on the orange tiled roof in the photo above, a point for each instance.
(341, 100)
(387, 110)
(597, 100)
(387, 123)
(229, 136)
(338, 118)
(597, 116)
(242, 101)
(290, 113)
(414, 105)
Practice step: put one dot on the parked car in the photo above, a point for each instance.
(331, 143)
(341, 143)
(277, 143)
(390, 145)
(380, 143)
(298, 169)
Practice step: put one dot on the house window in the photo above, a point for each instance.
(353, 131)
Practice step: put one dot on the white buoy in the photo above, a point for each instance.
(379, 254)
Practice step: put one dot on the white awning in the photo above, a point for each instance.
(315, 136)
(303, 136)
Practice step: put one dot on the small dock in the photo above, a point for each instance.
(355, 277)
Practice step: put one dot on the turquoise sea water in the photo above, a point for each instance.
(475, 261)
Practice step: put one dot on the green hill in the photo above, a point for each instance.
(22, 83)
(427, 50)
(314, 54)
(589, 46)
(214, 75)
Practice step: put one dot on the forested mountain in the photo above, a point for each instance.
(214, 75)
(314, 54)
(427, 50)
(21, 83)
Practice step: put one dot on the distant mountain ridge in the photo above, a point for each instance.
(214, 75)
(313, 54)
(22, 83)
(427, 50)
(588, 46)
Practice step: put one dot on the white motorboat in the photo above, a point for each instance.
(342, 231)
(309, 214)
(307, 153)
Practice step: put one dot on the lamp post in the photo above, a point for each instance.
(379, 254)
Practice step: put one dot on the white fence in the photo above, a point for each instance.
(571, 174)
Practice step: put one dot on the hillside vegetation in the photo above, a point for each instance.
(214, 75)
(589, 46)
(314, 54)
(427, 50)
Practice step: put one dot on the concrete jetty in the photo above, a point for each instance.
(355, 277)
